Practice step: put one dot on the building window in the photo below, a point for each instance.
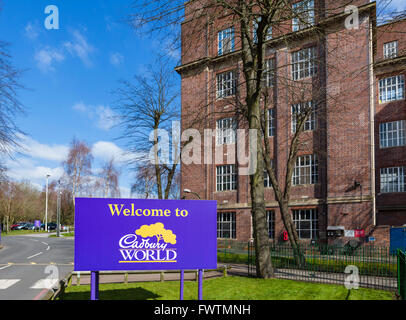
(307, 223)
(226, 177)
(300, 111)
(393, 179)
(392, 88)
(270, 220)
(271, 122)
(226, 131)
(390, 50)
(226, 84)
(392, 134)
(304, 63)
(306, 170)
(226, 41)
(267, 180)
(303, 15)
(269, 72)
(226, 225)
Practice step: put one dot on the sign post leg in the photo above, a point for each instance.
(200, 290)
(94, 285)
(182, 281)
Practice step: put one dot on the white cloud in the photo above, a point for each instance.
(106, 150)
(27, 169)
(35, 149)
(31, 30)
(46, 58)
(105, 118)
(116, 59)
(79, 47)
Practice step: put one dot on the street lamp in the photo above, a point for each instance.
(46, 205)
(58, 210)
(190, 191)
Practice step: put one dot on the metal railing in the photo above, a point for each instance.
(371, 266)
(401, 262)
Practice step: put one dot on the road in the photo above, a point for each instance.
(32, 265)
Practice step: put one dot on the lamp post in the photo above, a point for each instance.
(46, 205)
(58, 210)
(190, 191)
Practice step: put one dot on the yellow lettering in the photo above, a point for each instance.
(157, 212)
(126, 212)
(116, 210)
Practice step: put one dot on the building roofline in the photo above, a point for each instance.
(296, 34)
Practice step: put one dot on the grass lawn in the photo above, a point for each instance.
(64, 234)
(228, 288)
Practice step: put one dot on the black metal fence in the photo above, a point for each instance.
(364, 266)
(401, 274)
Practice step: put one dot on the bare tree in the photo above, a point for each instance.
(108, 179)
(146, 107)
(145, 184)
(78, 166)
(10, 105)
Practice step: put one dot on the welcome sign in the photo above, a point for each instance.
(135, 234)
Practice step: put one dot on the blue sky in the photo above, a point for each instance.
(69, 76)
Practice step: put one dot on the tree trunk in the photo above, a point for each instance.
(261, 236)
(292, 233)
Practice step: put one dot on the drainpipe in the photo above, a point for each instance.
(372, 119)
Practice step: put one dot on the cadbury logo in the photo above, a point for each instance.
(149, 243)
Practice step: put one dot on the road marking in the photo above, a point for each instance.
(34, 255)
(44, 284)
(9, 265)
(44, 243)
(6, 283)
(39, 295)
(48, 248)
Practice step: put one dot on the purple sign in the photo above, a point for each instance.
(37, 223)
(135, 234)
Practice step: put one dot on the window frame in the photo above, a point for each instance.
(388, 134)
(226, 83)
(396, 85)
(270, 222)
(222, 38)
(304, 63)
(269, 73)
(312, 221)
(311, 121)
(226, 219)
(310, 167)
(390, 49)
(392, 179)
(226, 178)
(301, 8)
(271, 122)
(226, 131)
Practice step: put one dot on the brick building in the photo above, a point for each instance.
(350, 170)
